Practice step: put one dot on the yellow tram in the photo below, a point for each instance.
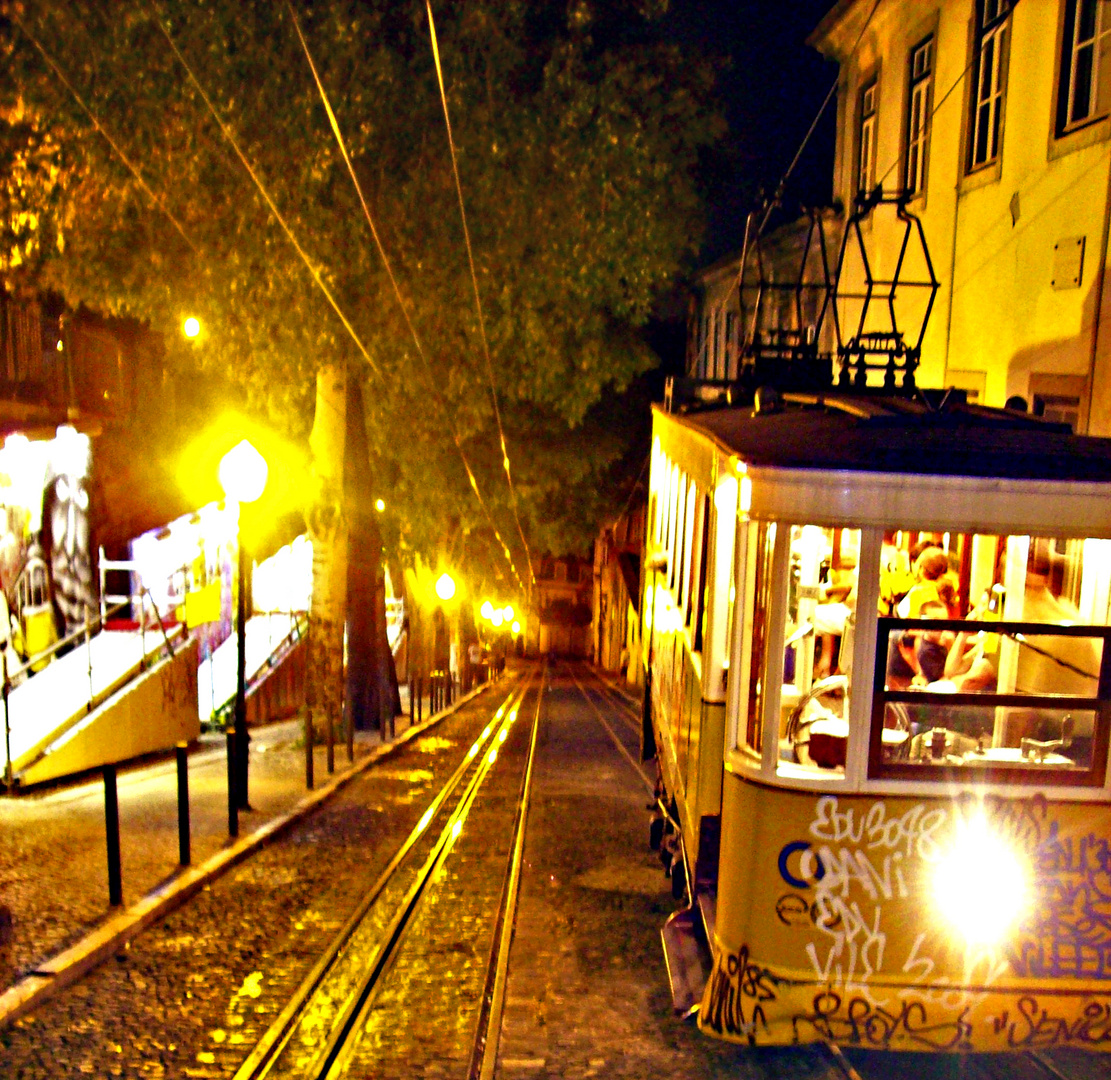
(880, 697)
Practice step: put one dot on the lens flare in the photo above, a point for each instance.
(981, 884)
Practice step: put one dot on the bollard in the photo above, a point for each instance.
(233, 804)
(112, 829)
(183, 845)
(308, 750)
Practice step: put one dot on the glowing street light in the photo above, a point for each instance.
(191, 327)
(243, 472)
(507, 612)
(516, 627)
(445, 586)
(487, 610)
(379, 505)
(497, 618)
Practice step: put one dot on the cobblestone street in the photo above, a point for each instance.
(190, 996)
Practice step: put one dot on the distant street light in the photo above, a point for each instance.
(498, 618)
(191, 327)
(516, 627)
(243, 473)
(379, 505)
(507, 612)
(445, 586)
(487, 610)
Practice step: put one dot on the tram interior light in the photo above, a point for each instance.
(981, 884)
(497, 618)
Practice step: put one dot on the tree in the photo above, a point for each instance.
(577, 133)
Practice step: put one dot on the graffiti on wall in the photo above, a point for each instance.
(46, 564)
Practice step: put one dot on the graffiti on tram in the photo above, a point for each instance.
(854, 886)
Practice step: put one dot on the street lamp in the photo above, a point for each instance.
(445, 586)
(243, 472)
(191, 327)
(487, 610)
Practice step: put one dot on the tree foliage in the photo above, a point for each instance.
(578, 133)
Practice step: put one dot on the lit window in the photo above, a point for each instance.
(1085, 89)
(821, 615)
(866, 165)
(992, 661)
(918, 121)
(987, 104)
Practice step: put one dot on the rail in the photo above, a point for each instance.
(347, 1002)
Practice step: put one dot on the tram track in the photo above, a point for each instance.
(316, 1033)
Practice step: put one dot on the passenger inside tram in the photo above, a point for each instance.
(1032, 585)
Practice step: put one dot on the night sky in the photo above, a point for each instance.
(772, 85)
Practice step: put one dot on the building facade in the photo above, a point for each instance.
(994, 117)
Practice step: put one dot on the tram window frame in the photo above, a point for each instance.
(1036, 772)
(1000, 682)
(675, 569)
(683, 587)
(696, 579)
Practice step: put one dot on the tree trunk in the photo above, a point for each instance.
(328, 525)
(371, 697)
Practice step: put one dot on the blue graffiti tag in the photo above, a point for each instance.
(787, 852)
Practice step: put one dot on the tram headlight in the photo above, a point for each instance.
(981, 883)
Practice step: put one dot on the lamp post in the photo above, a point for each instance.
(243, 473)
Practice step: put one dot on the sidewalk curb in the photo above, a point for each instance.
(67, 967)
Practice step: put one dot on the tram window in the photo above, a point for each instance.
(686, 564)
(1000, 662)
(821, 606)
(764, 547)
(697, 580)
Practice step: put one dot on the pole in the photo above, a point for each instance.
(112, 832)
(7, 725)
(89, 655)
(242, 739)
(330, 744)
(233, 804)
(308, 749)
(183, 804)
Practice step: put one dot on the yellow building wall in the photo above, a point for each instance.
(997, 311)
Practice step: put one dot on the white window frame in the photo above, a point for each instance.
(921, 67)
(988, 88)
(866, 130)
(1094, 43)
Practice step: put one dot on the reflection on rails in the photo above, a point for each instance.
(316, 1033)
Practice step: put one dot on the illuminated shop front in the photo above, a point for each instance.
(46, 566)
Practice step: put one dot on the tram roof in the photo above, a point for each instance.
(901, 435)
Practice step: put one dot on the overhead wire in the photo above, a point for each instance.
(104, 133)
(474, 284)
(230, 137)
(342, 143)
(773, 201)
